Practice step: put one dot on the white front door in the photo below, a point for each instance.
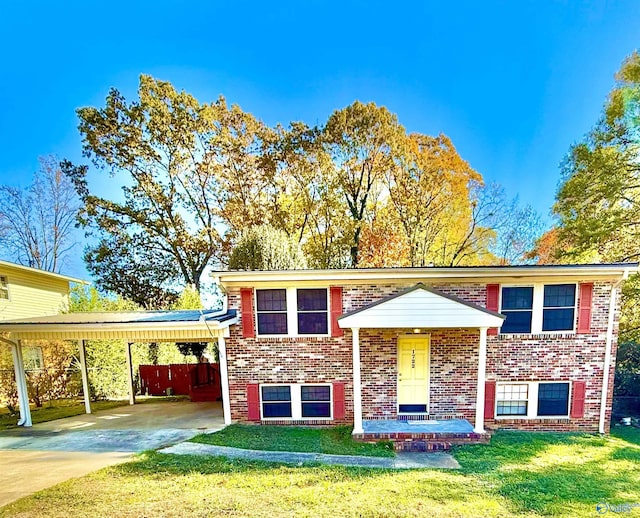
(413, 374)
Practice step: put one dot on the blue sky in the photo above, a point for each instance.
(512, 83)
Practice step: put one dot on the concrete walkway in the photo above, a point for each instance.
(403, 460)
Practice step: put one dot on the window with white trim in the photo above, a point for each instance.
(33, 358)
(296, 401)
(4, 288)
(533, 399)
(292, 311)
(541, 308)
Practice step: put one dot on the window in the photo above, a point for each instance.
(517, 306)
(32, 357)
(512, 399)
(271, 308)
(553, 399)
(312, 312)
(4, 288)
(276, 401)
(539, 308)
(533, 399)
(293, 311)
(316, 401)
(559, 307)
(296, 401)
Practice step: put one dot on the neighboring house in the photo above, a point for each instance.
(26, 293)
(413, 354)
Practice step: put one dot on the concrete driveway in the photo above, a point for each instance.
(34, 458)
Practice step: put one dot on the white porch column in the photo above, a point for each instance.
(85, 376)
(357, 383)
(132, 389)
(21, 383)
(224, 379)
(482, 368)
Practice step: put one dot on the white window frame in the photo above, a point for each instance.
(532, 400)
(4, 287)
(33, 353)
(292, 312)
(296, 402)
(537, 309)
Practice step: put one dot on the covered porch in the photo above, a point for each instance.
(419, 362)
(130, 327)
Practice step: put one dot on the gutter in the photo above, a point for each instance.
(607, 353)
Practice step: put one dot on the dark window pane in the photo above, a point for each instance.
(559, 295)
(272, 323)
(557, 319)
(553, 399)
(511, 408)
(312, 323)
(316, 410)
(276, 409)
(517, 298)
(271, 300)
(516, 322)
(312, 300)
(316, 393)
(276, 393)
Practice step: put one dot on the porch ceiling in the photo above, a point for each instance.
(147, 326)
(421, 307)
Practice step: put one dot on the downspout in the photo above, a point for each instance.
(607, 353)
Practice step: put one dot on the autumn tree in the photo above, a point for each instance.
(190, 171)
(37, 223)
(362, 141)
(263, 247)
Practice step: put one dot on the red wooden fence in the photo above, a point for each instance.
(182, 379)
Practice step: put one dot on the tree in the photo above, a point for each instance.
(266, 248)
(37, 223)
(362, 141)
(598, 203)
(190, 171)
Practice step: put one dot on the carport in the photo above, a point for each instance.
(131, 327)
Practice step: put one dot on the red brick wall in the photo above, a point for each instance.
(453, 362)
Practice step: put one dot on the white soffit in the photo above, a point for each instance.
(420, 307)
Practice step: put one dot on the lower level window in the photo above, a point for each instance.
(276, 401)
(296, 401)
(533, 399)
(512, 399)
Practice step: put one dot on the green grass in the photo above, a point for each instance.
(519, 474)
(62, 408)
(336, 440)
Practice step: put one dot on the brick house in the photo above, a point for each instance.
(417, 354)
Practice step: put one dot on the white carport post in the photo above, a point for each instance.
(21, 383)
(482, 371)
(357, 382)
(132, 389)
(85, 376)
(224, 379)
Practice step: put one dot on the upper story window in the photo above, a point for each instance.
(4, 288)
(312, 312)
(271, 308)
(293, 311)
(538, 308)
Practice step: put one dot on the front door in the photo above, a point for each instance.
(413, 374)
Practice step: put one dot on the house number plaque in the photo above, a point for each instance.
(413, 358)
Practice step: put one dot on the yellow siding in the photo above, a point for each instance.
(32, 294)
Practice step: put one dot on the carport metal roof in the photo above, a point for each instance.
(132, 326)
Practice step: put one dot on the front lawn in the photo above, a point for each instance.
(336, 440)
(519, 474)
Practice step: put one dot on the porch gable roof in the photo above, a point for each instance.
(421, 307)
